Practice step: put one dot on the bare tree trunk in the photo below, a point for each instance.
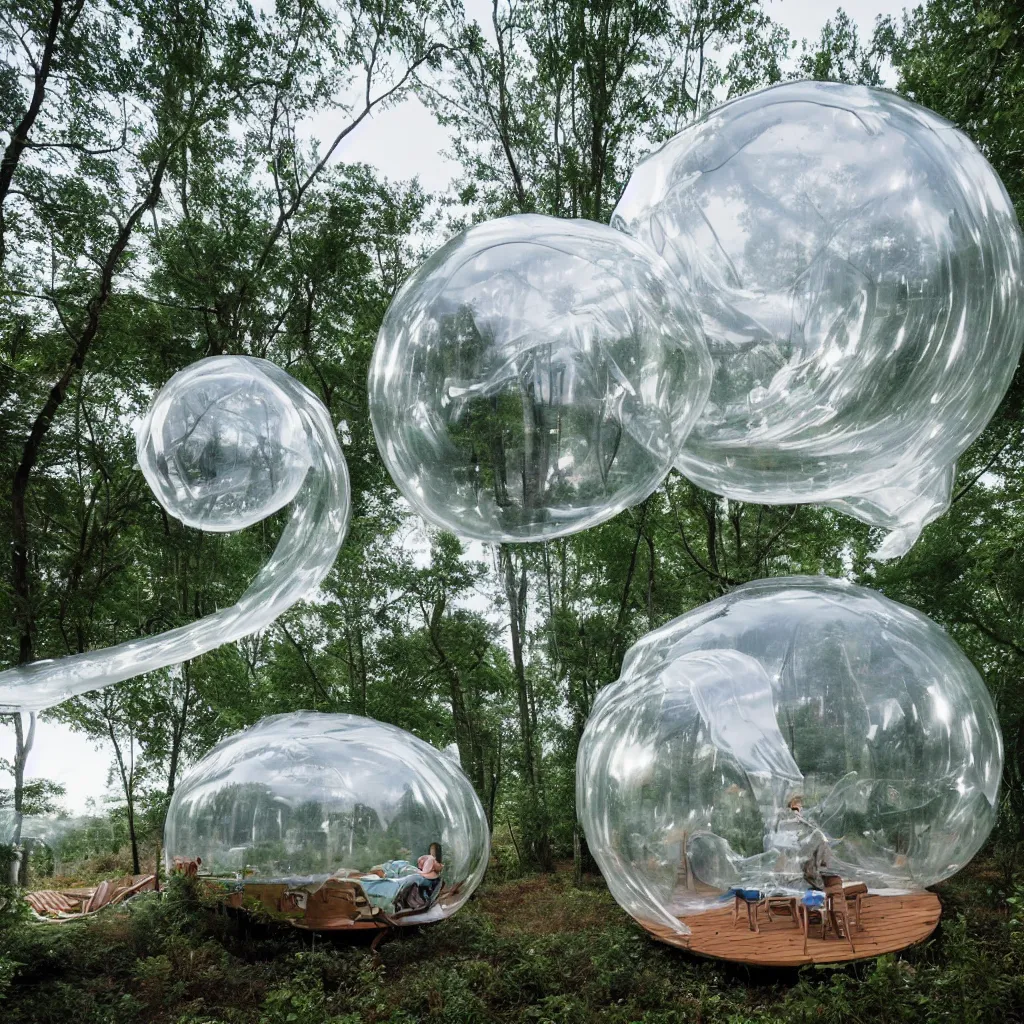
(179, 727)
(23, 744)
(577, 856)
(515, 582)
(127, 775)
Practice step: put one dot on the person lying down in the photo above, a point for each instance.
(398, 885)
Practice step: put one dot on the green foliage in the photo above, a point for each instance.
(39, 796)
(176, 200)
(533, 950)
(14, 912)
(840, 56)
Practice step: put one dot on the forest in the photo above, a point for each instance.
(171, 189)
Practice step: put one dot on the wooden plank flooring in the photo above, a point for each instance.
(890, 923)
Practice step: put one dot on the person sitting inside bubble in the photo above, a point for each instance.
(429, 868)
(803, 848)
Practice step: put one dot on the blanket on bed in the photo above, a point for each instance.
(401, 888)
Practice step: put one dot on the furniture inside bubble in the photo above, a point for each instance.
(752, 899)
(853, 893)
(812, 911)
(831, 910)
(784, 903)
(838, 914)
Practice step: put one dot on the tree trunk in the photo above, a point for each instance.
(515, 582)
(467, 737)
(23, 744)
(127, 775)
(180, 727)
(577, 856)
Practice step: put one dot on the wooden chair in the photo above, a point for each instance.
(854, 893)
(787, 905)
(838, 911)
(752, 899)
(812, 913)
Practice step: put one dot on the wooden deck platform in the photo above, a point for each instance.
(890, 923)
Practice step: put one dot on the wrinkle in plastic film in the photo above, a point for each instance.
(801, 686)
(857, 264)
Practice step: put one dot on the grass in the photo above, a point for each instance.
(534, 949)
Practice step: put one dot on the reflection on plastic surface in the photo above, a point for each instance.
(224, 446)
(802, 687)
(535, 377)
(857, 263)
(305, 797)
(227, 441)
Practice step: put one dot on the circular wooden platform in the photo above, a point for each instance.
(890, 923)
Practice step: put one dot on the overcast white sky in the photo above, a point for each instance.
(401, 143)
(406, 141)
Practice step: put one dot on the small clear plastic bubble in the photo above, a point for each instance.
(223, 446)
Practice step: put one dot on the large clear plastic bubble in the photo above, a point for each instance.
(535, 377)
(803, 687)
(307, 797)
(223, 446)
(857, 263)
(227, 441)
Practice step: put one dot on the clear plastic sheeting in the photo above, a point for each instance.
(227, 441)
(535, 377)
(306, 797)
(857, 264)
(792, 723)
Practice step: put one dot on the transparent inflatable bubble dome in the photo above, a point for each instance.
(305, 797)
(857, 264)
(791, 723)
(535, 377)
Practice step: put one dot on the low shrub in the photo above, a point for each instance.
(533, 949)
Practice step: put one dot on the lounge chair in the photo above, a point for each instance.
(73, 904)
